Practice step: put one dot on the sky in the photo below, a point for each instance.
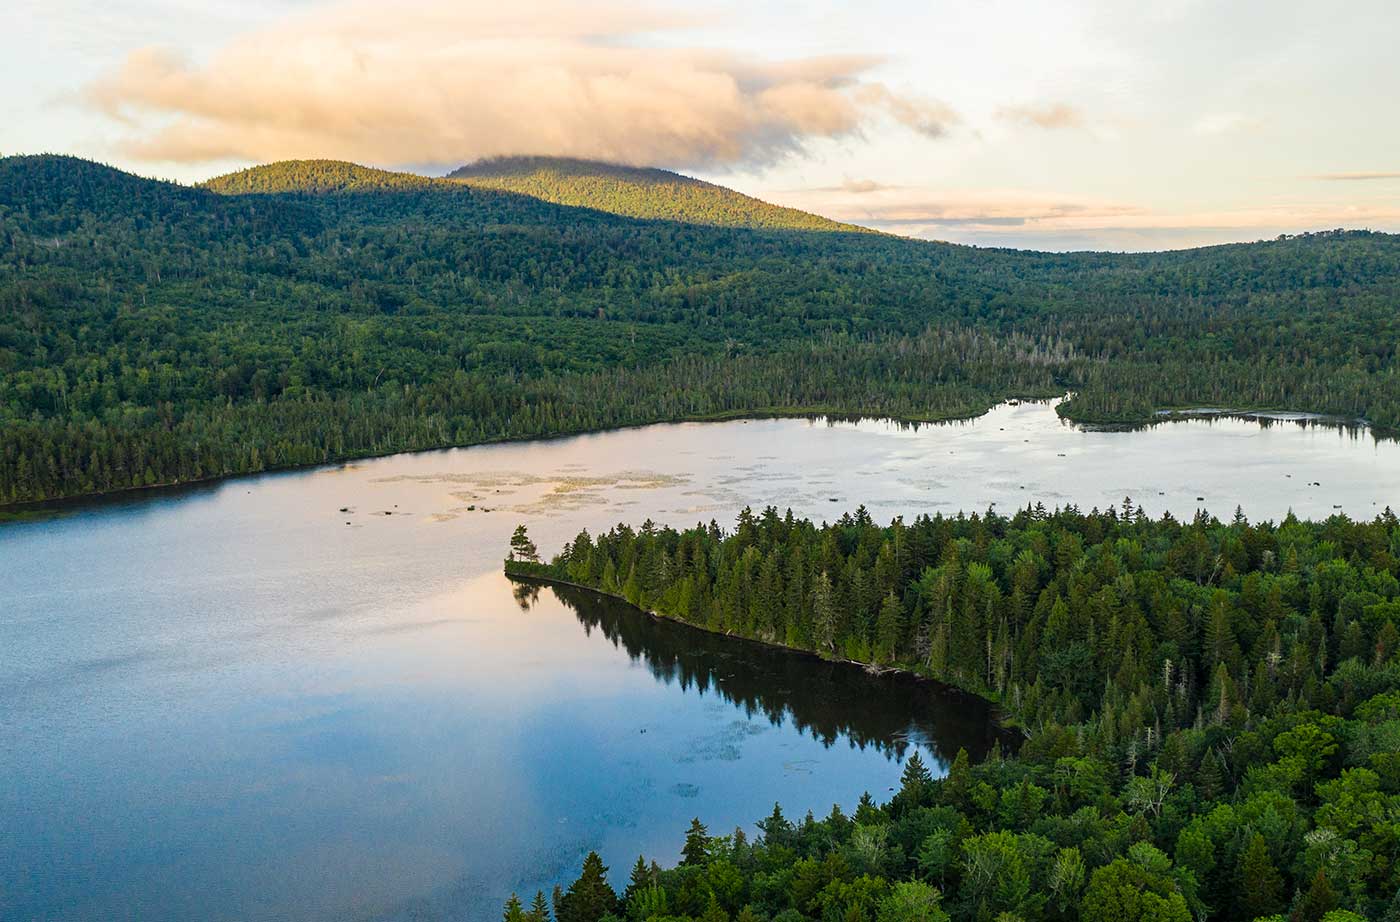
(1046, 125)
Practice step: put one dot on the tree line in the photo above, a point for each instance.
(313, 310)
(1210, 712)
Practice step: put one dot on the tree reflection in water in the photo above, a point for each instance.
(831, 701)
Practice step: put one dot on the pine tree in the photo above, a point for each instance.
(1319, 899)
(697, 843)
(589, 897)
(1210, 778)
(642, 877)
(539, 909)
(914, 783)
(776, 829)
(888, 628)
(514, 911)
(714, 912)
(823, 613)
(1260, 886)
(522, 548)
(867, 814)
(957, 786)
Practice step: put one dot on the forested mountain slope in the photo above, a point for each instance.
(636, 192)
(151, 332)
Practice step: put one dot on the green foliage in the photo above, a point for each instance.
(1170, 783)
(1260, 886)
(311, 311)
(590, 897)
(522, 548)
(1124, 891)
(636, 192)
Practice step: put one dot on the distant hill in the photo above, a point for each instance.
(309, 311)
(313, 176)
(637, 192)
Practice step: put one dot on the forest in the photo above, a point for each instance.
(1209, 714)
(314, 311)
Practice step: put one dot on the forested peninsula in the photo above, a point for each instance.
(1210, 711)
(312, 311)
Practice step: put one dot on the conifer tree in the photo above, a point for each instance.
(775, 828)
(522, 548)
(1316, 901)
(589, 897)
(697, 843)
(642, 877)
(1260, 887)
(915, 782)
(888, 628)
(957, 785)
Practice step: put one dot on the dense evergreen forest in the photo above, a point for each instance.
(1210, 712)
(636, 192)
(312, 311)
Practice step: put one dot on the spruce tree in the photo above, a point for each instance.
(1260, 886)
(914, 783)
(957, 786)
(697, 843)
(642, 878)
(514, 911)
(589, 897)
(776, 829)
(1319, 899)
(823, 614)
(867, 814)
(887, 629)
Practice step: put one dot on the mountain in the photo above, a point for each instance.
(630, 192)
(636, 192)
(314, 176)
(310, 311)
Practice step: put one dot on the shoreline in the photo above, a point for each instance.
(30, 510)
(1002, 723)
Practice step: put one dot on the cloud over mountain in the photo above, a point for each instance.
(439, 83)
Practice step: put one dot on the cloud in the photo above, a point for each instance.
(862, 186)
(927, 117)
(1220, 123)
(902, 207)
(436, 82)
(1044, 115)
(1359, 175)
(850, 186)
(1016, 217)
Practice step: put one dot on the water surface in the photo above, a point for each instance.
(238, 702)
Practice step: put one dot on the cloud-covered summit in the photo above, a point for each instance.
(433, 82)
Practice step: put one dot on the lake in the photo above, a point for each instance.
(237, 701)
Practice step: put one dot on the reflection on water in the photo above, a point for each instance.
(313, 695)
(824, 700)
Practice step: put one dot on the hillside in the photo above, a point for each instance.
(636, 193)
(153, 333)
(314, 176)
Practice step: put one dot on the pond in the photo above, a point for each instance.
(312, 695)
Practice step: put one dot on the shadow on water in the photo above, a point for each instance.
(826, 700)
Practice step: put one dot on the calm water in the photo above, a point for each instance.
(237, 702)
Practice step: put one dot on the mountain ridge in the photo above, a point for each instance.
(637, 192)
(643, 193)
